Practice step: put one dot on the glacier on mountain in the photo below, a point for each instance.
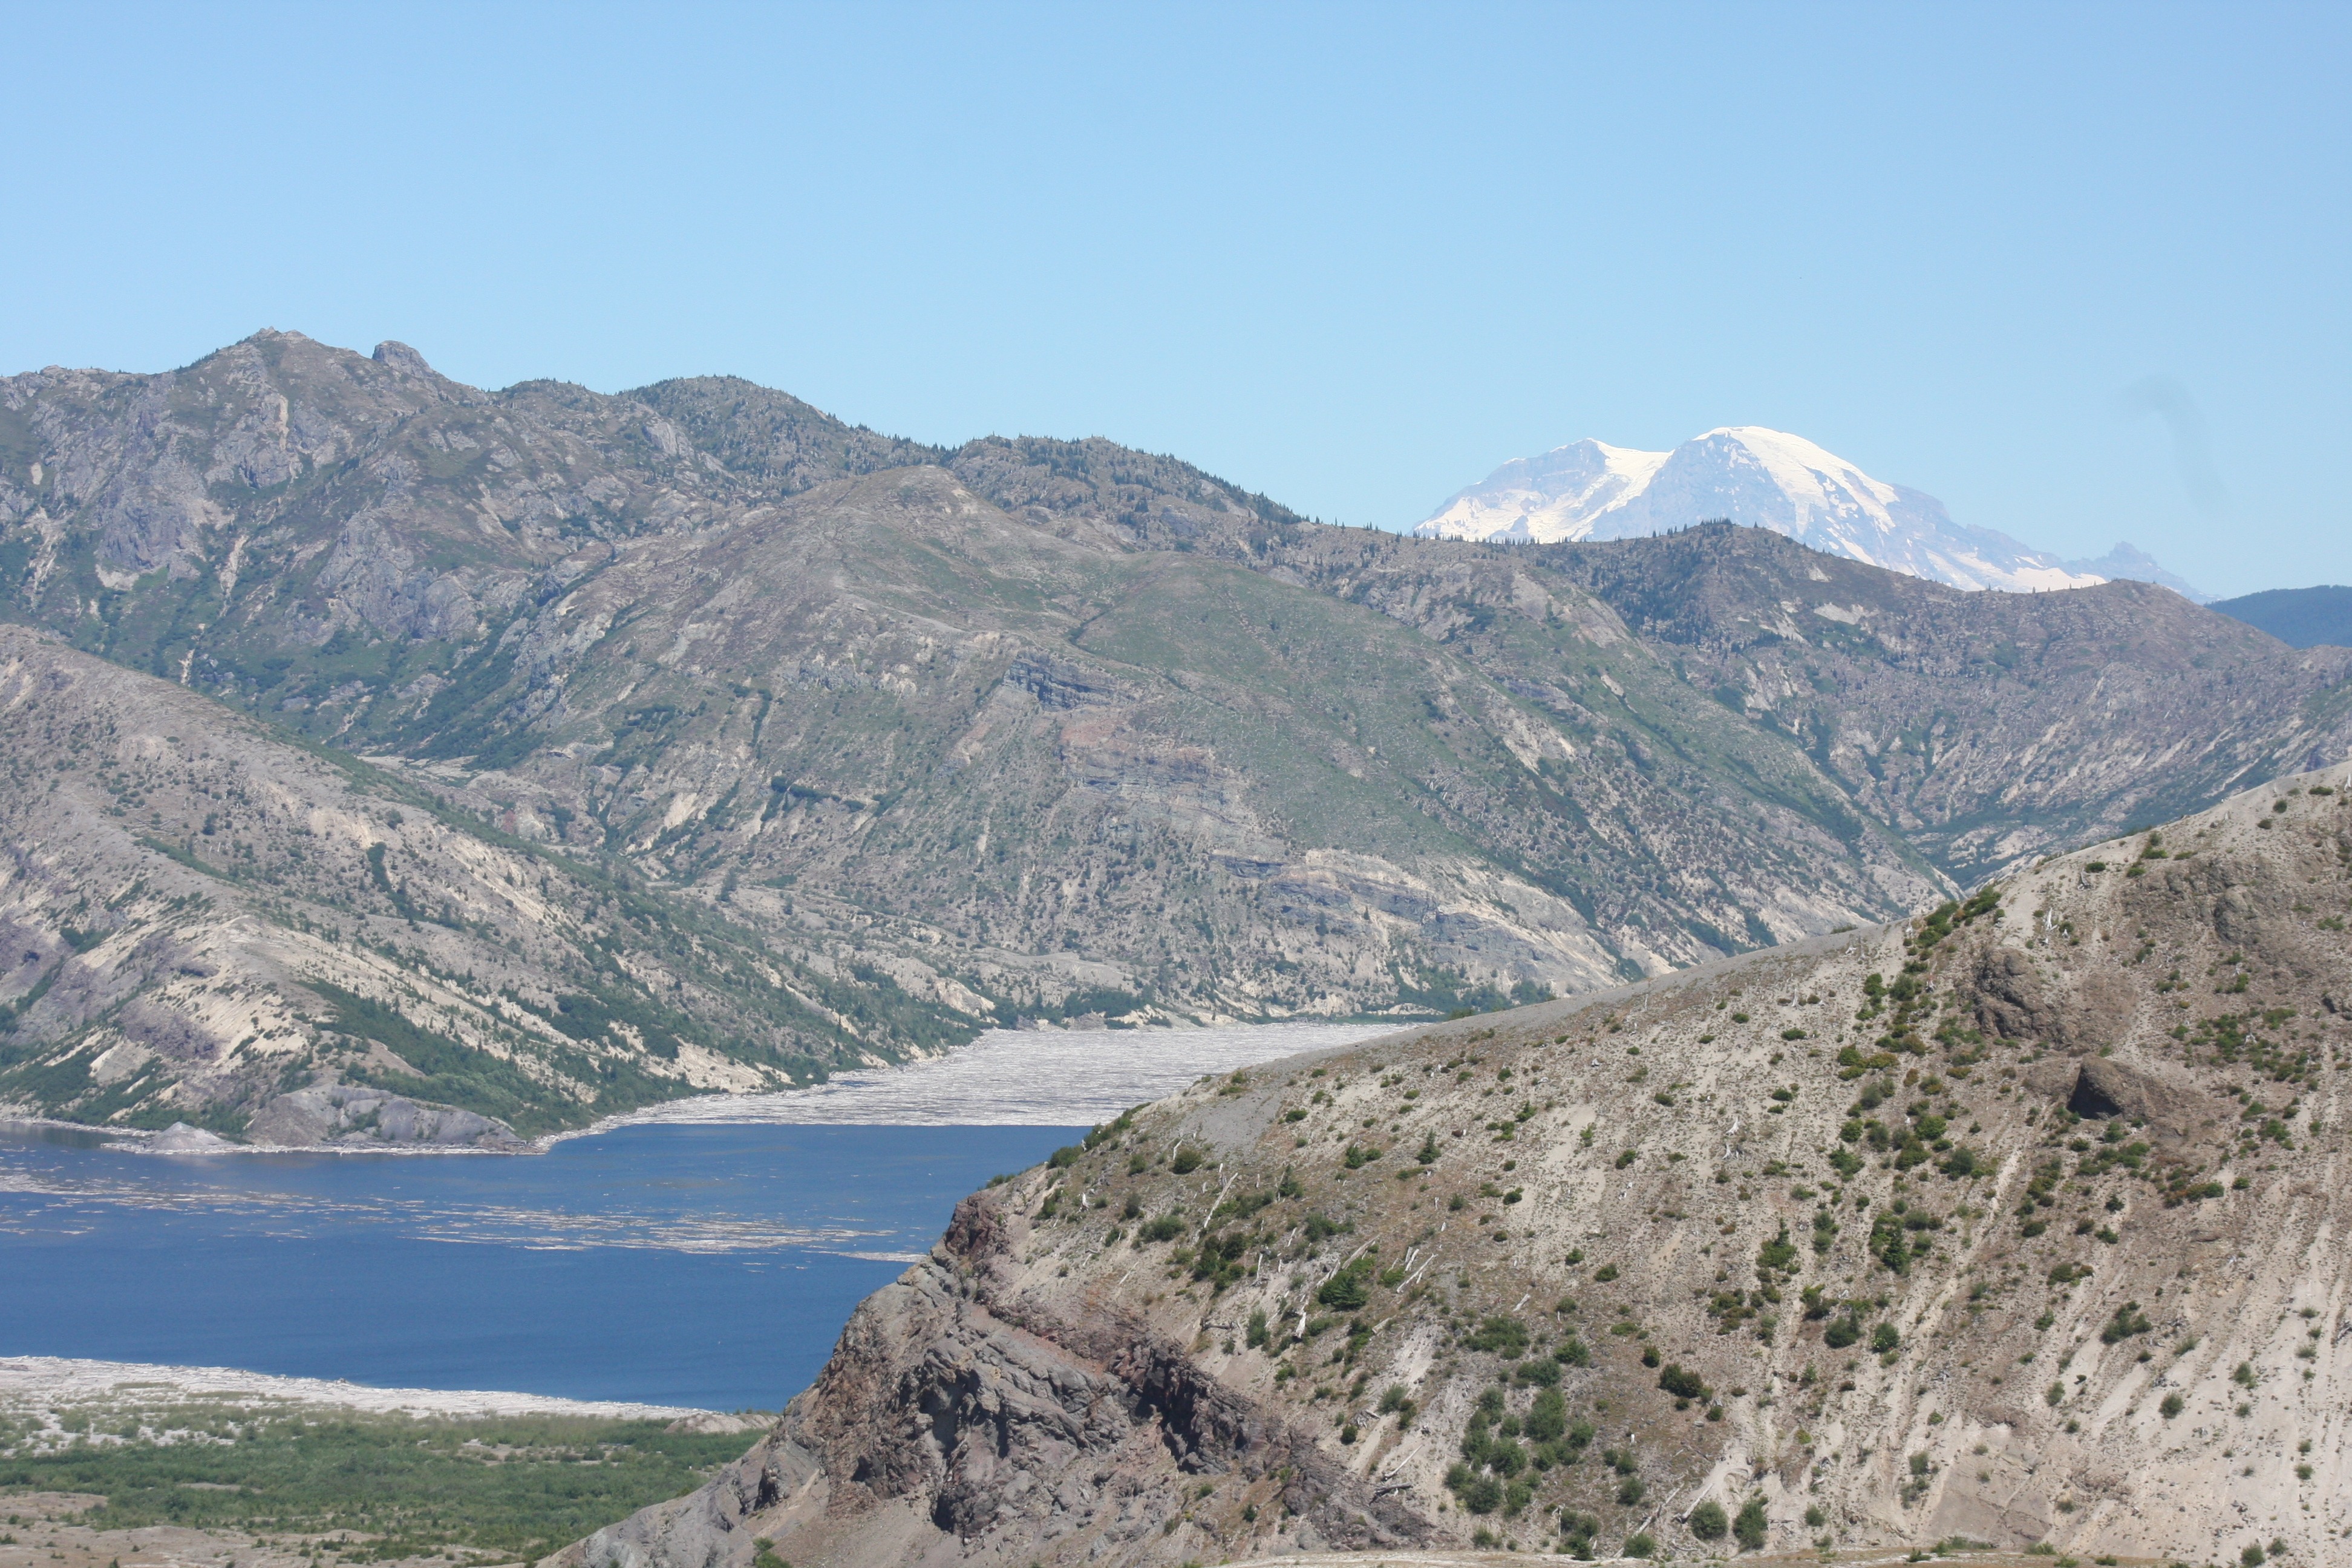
(1767, 478)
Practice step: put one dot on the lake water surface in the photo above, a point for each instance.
(702, 1265)
(708, 1258)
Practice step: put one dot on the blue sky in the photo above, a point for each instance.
(1351, 255)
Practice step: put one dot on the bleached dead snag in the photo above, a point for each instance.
(2155, 1060)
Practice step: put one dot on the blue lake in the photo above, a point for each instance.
(709, 1266)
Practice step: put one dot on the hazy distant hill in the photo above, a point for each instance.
(2126, 560)
(202, 920)
(2299, 617)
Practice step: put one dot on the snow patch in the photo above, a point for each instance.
(1753, 476)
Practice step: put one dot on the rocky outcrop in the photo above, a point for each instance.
(1795, 1234)
(965, 1418)
(342, 1114)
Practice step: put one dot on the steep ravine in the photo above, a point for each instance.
(2021, 1221)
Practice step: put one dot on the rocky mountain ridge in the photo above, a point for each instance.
(1044, 729)
(2012, 1222)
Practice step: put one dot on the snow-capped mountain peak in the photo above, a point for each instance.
(1769, 478)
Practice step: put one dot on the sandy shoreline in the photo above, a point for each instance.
(31, 1382)
(1029, 1078)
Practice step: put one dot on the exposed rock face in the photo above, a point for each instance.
(1039, 728)
(964, 1417)
(339, 1113)
(1798, 1228)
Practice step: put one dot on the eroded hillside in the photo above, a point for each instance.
(2019, 1220)
(201, 922)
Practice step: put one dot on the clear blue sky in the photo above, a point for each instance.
(1351, 256)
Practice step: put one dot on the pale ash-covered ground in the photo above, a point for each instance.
(2151, 1363)
(39, 1390)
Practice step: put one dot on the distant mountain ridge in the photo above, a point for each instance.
(1767, 479)
(2129, 563)
(2299, 617)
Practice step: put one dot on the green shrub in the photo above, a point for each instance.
(1346, 1291)
(1708, 1523)
(415, 1486)
(2128, 1321)
(1503, 1336)
(1186, 1161)
(1751, 1526)
(1479, 1494)
(1680, 1383)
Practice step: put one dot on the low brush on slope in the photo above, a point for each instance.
(2013, 1222)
